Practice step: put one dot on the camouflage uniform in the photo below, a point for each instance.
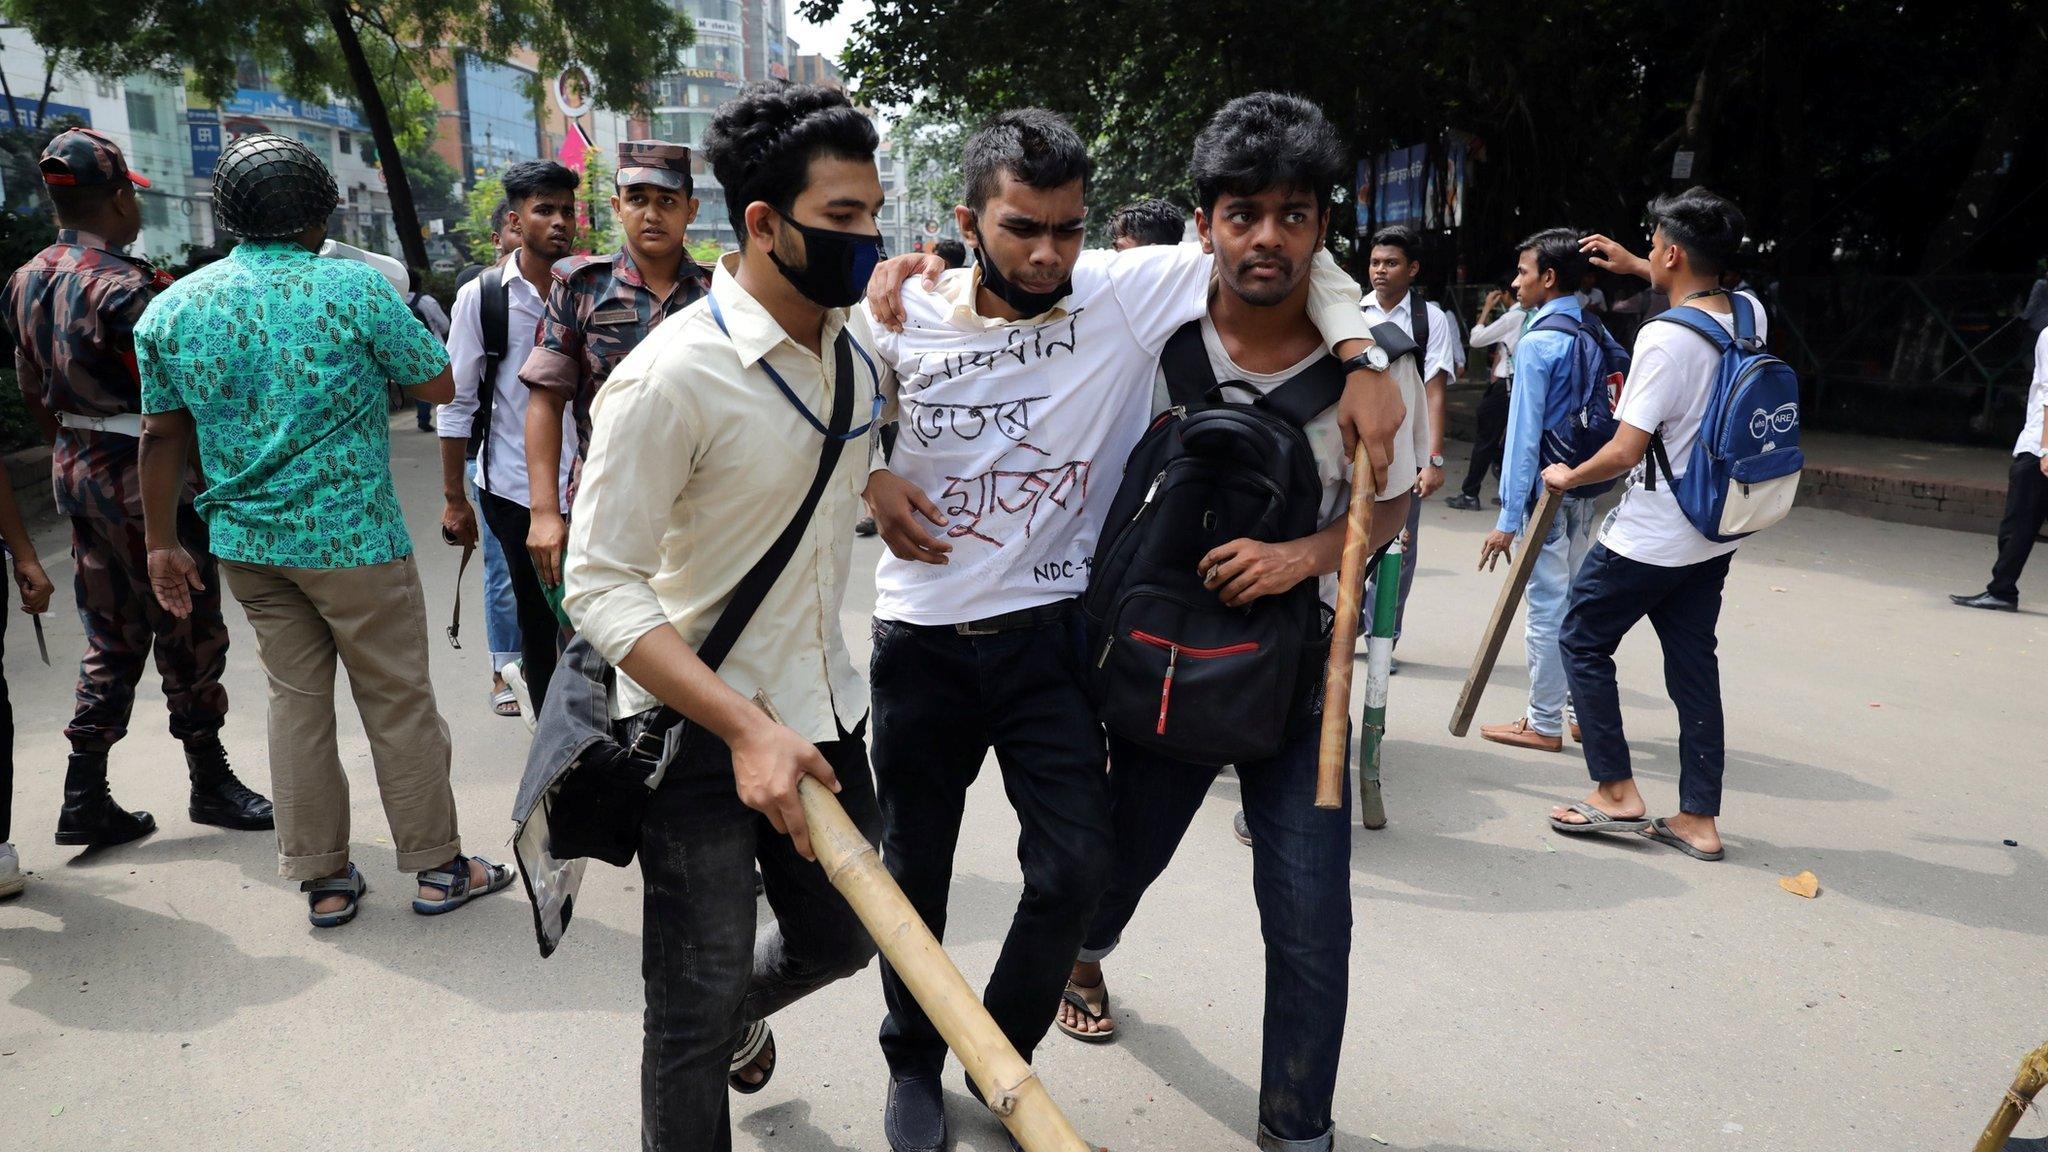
(73, 310)
(600, 308)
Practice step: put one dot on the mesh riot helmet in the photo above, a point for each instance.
(269, 187)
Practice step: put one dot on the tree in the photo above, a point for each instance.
(484, 197)
(321, 47)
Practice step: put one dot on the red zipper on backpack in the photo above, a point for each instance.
(1173, 652)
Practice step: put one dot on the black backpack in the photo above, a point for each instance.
(1170, 667)
(494, 310)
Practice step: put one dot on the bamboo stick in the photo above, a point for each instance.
(1013, 1091)
(1504, 611)
(1379, 653)
(2033, 1076)
(1336, 735)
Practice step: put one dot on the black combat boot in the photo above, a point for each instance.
(218, 796)
(90, 816)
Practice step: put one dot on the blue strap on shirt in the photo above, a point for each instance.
(875, 377)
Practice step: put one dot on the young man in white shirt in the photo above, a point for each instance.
(1393, 264)
(1501, 333)
(1263, 170)
(2026, 497)
(705, 442)
(541, 196)
(1026, 381)
(1650, 560)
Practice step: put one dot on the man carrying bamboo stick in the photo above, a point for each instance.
(1263, 171)
(707, 440)
(1026, 381)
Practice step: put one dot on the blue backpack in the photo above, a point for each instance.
(1578, 418)
(1744, 470)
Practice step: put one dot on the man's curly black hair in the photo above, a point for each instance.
(761, 143)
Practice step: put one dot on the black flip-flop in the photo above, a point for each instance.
(1662, 834)
(1077, 995)
(1597, 821)
(757, 1043)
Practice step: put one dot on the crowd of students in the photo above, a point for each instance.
(637, 431)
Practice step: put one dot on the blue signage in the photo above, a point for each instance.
(262, 105)
(1399, 194)
(23, 113)
(204, 125)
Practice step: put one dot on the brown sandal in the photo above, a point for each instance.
(1095, 1009)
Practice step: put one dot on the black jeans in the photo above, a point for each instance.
(941, 701)
(6, 730)
(1491, 439)
(540, 633)
(2026, 507)
(707, 972)
(1301, 878)
(1613, 592)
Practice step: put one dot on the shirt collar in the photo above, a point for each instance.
(83, 239)
(625, 271)
(753, 332)
(962, 289)
(1566, 303)
(255, 251)
(515, 283)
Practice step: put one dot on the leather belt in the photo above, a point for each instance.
(1011, 621)
(121, 424)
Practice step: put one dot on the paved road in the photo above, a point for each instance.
(1512, 989)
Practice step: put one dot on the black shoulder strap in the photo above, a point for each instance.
(494, 308)
(1418, 314)
(1660, 461)
(1185, 362)
(753, 587)
(1306, 394)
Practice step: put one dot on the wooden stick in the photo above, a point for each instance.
(1013, 1091)
(1344, 633)
(2033, 1076)
(1504, 611)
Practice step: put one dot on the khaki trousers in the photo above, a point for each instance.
(374, 618)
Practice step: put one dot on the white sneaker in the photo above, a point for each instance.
(515, 679)
(11, 879)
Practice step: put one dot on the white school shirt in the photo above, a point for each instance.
(2029, 442)
(1325, 438)
(1670, 380)
(504, 471)
(1435, 358)
(1019, 431)
(1503, 332)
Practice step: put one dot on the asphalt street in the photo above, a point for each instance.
(1511, 989)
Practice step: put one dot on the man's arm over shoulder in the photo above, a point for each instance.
(1159, 286)
(1333, 302)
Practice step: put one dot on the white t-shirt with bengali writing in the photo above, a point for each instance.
(1670, 380)
(1019, 432)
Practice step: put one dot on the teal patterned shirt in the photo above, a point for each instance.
(283, 358)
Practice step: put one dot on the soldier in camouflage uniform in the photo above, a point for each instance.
(600, 309)
(73, 310)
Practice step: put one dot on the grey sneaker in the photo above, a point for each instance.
(1241, 829)
(11, 880)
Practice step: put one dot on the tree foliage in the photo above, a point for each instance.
(379, 51)
(1894, 137)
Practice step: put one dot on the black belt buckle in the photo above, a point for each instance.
(979, 627)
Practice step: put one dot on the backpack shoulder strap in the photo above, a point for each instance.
(1557, 322)
(494, 314)
(1418, 319)
(1306, 394)
(1699, 322)
(1185, 362)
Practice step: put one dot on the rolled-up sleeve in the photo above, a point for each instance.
(1333, 301)
(643, 448)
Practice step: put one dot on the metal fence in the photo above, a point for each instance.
(1934, 358)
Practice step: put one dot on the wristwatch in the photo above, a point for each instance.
(1436, 460)
(1373, 359)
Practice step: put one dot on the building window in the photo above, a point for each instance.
(346, 146)
(141, 112)
(499, 125)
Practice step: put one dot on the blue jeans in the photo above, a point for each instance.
(941, 702)
(1550, 585)
(501, 614)
(1301, 878)
(1611, 594)
(706, 969)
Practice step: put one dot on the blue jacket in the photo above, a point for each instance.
(1539, 358)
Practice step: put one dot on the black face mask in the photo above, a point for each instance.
(1027, 303)
(836, 264)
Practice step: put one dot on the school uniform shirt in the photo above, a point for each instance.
(1541, 358)
(1435, 358)
(1669, 383)
(503, 468)
(2029, 442)
(1325, 437)
(1593, 299)
(1503, 332)
(1019, 431)
(697, 461)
